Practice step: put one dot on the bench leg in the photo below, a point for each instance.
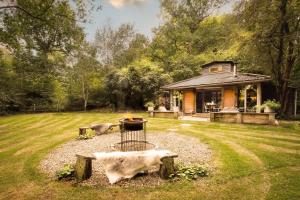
(82, 131)
(83, 168)
(166, 168)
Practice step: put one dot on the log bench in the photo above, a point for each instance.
(103, 128)
(83, 167)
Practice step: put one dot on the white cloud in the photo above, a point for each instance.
(121, 3)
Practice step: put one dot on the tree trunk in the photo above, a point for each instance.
(282, 69)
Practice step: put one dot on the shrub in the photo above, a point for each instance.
(66, 173)
(89, 135)
(273, 104)
(149, 104)
(191, 172)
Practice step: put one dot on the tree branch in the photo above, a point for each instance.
(23, 10)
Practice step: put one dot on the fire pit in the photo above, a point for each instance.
(133, 135)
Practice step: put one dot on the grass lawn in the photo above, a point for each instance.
(253, 162)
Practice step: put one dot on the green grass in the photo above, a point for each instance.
(252, 162)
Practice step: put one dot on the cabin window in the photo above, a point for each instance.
(216, 69)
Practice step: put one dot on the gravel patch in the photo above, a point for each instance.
(189, 149)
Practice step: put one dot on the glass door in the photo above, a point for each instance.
(199, 102)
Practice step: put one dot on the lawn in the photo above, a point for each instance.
(253, 162)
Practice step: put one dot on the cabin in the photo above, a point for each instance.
(221, 93)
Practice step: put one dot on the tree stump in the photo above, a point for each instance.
(83, 167)
(82, 130)
(167, 167)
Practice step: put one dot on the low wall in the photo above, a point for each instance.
(164, 114)
(245, 118)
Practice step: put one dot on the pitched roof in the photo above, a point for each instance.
(218, 62)
(217, 79)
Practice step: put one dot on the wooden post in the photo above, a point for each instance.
(83, 167)
(222, 98)
(179, 98)
(167, 167)
(236, 93)
(258, 98)
(82, 130)
(245, 99)
(171, 100)
(183, 102)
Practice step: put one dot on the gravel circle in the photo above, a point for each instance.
(189, 149)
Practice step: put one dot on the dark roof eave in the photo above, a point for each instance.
(217, 84)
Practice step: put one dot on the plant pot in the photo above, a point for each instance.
(150, 108)
(267, 109)
(176, 109)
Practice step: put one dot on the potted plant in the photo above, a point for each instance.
(149, 105)
(270, 106)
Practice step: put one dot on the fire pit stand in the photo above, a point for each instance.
(133, 135)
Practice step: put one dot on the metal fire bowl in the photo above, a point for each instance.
(134, 124)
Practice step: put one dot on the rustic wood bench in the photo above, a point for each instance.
(83, 167)
(103, 128)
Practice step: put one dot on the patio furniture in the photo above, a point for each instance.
(103, 128)
(120, 165)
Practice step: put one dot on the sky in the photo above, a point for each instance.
(144, 14)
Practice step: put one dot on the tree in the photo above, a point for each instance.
(34, 45)
(190, 37)
(84, 73)
(275, 37)
(59, 96)
(119, 47)
(141, 81)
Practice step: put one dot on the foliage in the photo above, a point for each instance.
(48, 66)
(118, 48)
(84, 75)
(191, 172)
(149, 104)
(89, 135)
(136, 84)
(66, 173)
(274, 40)
(181, 51)
(273, 104)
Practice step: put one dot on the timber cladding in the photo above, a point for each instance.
(189, 101)
(229, 97)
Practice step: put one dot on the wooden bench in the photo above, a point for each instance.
(103, 128)
(83, 167)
